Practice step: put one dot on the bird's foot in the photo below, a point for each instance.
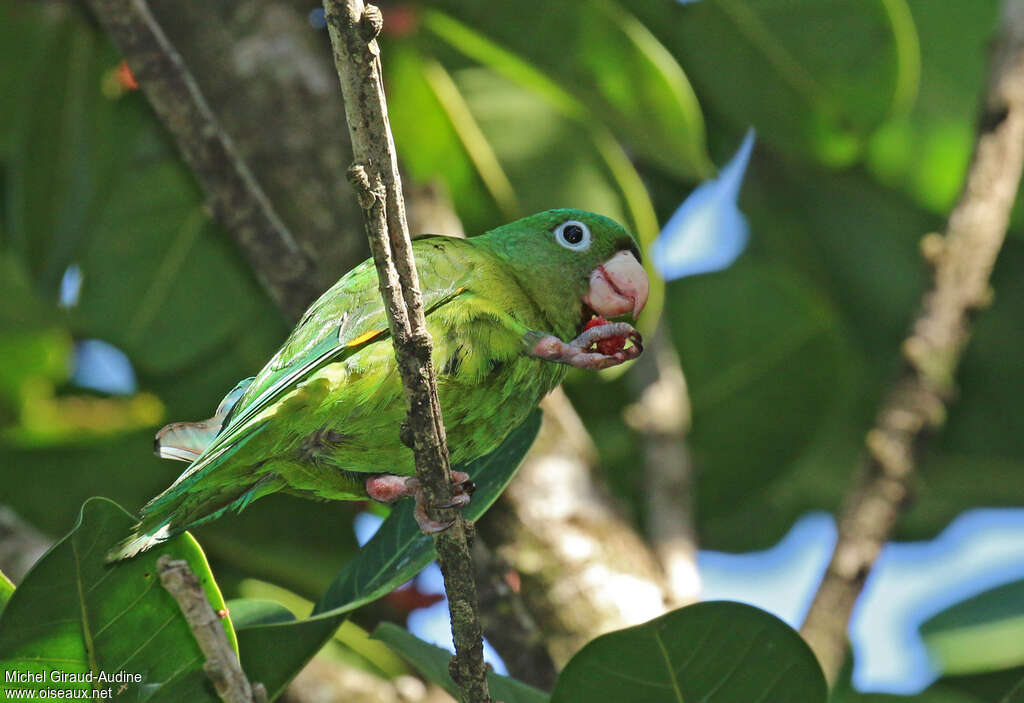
(578, 352)
(388, 488)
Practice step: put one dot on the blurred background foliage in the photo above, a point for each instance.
(864, 111)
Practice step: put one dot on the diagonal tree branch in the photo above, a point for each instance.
(353, 29)
(221, 663)
(232, 194)
(962, 262)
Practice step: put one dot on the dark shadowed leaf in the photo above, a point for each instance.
(273, 654)
(432, 662)
(75, 613)
(718, 651)
(763, 352)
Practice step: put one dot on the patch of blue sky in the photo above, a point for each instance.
(101, 366)
(911, 582)
(70, 287)
(707, 232)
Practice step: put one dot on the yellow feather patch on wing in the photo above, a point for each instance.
(364, 337)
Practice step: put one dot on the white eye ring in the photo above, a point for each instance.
(573, 234)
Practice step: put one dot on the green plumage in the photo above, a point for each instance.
(325, 411)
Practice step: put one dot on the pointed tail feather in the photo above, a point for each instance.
(185, 441)
(138, 542)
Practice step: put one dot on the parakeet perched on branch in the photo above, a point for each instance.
(508, 312)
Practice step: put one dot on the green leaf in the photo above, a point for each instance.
(249, 612)
(611, 64)
(6, 589)
(764, 62)
(273, 654)
(762, 351)
(718, 650)
(981, 634)
(75, 613)
(432, 662)
(925, 152)
(440, 138)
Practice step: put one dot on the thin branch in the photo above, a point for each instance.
(374, 175)
(232, 194)
(221, 663)
(962, 261)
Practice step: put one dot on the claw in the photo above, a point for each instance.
(577, 352)
(387, 488)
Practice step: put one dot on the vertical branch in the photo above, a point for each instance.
(962, 262)
(233, 195)
(353, 29)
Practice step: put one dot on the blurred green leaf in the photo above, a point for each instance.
(432, 662)
(609, 61)
(273, 654)
(249, 612)
(6, 589)
(75, 613)
(763, 352)
(439, 137)
(981, 634)
(716, 650)
(814, 78)
(925, 152)
(936, 694)
(353, 641)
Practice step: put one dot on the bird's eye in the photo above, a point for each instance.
(574, 235)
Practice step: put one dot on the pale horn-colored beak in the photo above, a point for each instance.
(618, 286)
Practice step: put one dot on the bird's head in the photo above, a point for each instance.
(574, 264)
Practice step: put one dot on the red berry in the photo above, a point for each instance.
(609, 346)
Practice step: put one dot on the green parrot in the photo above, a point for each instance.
(321, 419)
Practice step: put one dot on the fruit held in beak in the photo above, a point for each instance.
(618, 286)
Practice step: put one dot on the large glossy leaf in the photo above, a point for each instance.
(75, 613)
(609, 61)
(432, 662)
(814, 78)
(715, 651)
(981, 634)
(274, 653)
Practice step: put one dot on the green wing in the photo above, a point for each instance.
(346, 318)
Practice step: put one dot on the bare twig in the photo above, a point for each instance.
(221, 663)
(962, 261)
(232, 193)
(662, 416)
(353, 29)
